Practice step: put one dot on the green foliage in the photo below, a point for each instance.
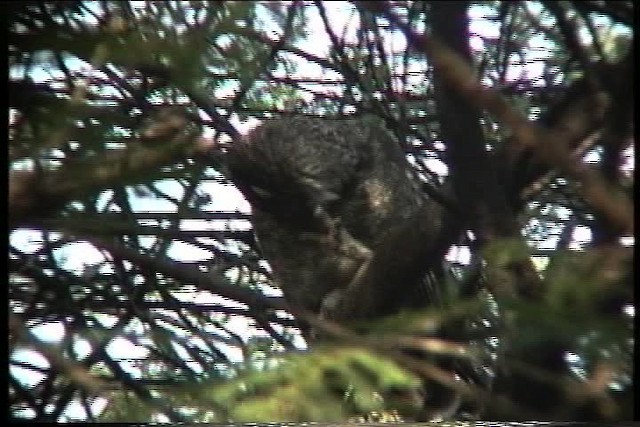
(124, 406)
(327, 384)
(578, 282)
(582, 309)
(504, 252)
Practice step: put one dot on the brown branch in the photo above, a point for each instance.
(33, 196)
(253, 34)
(219, 285)
(548, 145)
(212, 281)
(474, 178)
(75, 371)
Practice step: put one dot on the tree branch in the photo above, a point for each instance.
(33, 195)
(548, 145)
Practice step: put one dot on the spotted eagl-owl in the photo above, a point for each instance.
(327, 198)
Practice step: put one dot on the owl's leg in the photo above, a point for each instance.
(358, 250)
(337, 304)
(340, 237)
(345, 244)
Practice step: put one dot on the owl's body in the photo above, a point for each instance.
(325, 195)
(340, 215)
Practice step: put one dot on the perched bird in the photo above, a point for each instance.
(327, 196)
(341, 217)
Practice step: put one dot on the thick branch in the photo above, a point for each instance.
(548, 145)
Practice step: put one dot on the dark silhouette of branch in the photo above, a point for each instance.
(35, 195)
(74, 371)
(547, 144)
(475, 180)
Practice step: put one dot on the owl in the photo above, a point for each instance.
(340, 215)
(327, 197)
